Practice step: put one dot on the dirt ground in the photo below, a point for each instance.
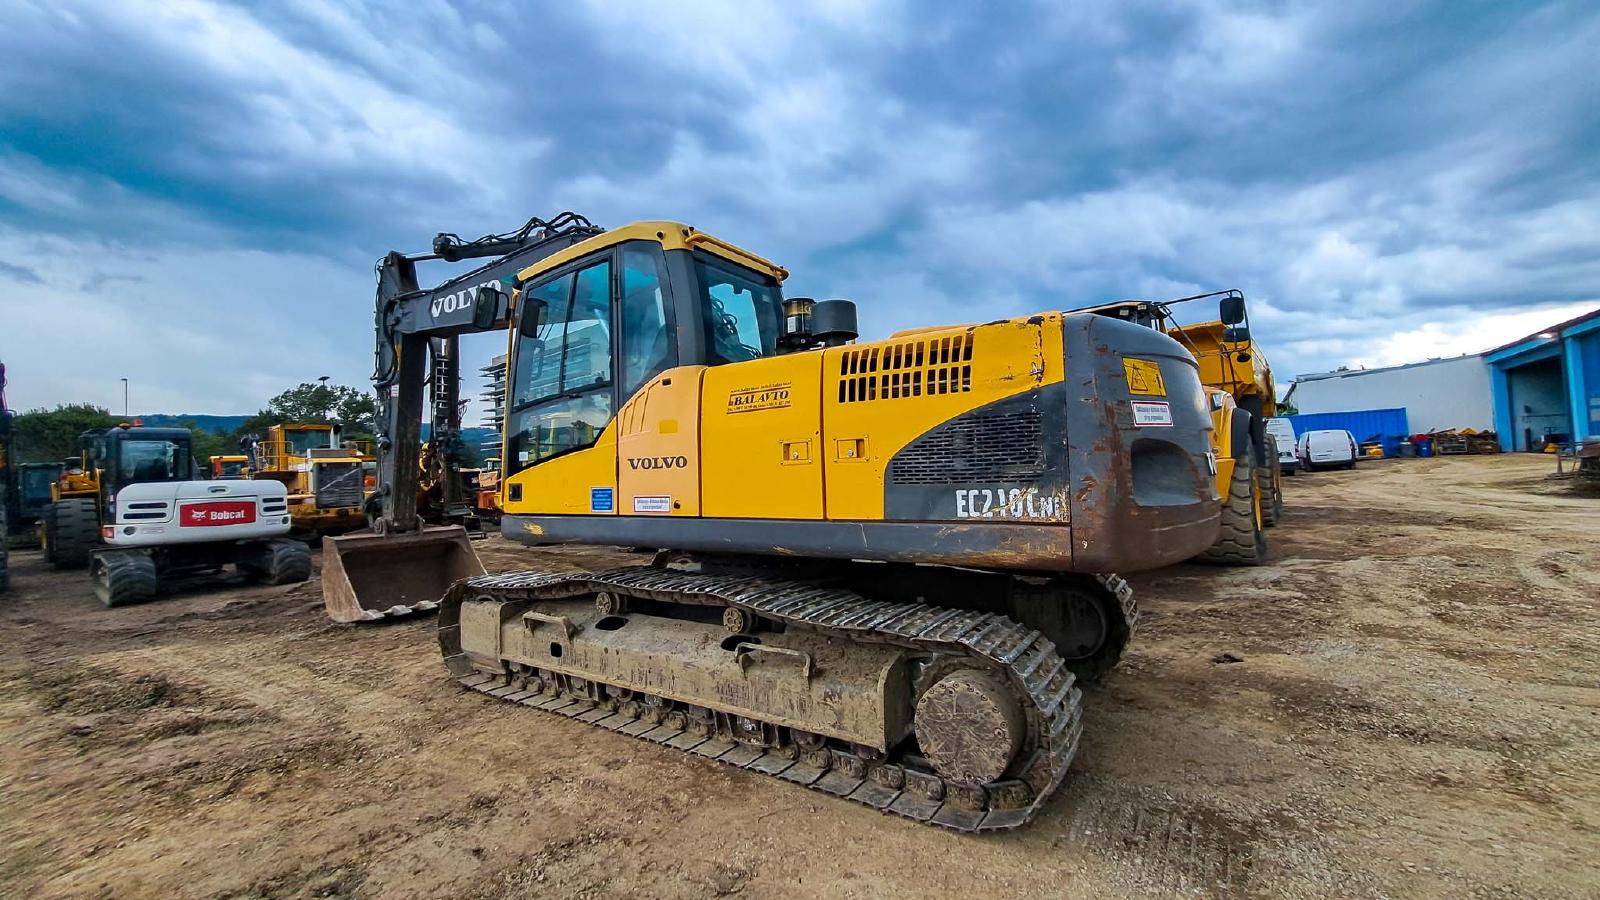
(1405, 702)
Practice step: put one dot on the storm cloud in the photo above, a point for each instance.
(192, 194)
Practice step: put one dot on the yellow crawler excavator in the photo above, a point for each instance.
(884, 566)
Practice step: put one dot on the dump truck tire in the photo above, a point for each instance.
(287, 562)
(1241, 540)
(124, 577)
(74, 529)
(47, 537)
(1271, 488)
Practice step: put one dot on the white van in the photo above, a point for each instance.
(1282, 431)
(1326, 447)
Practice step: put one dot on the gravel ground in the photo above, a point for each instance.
(1406, 701)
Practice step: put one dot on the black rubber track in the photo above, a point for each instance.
(75, 530)
(123, 577)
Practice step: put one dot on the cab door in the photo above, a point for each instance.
(560, 446)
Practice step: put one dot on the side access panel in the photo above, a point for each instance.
(658, 446)
(583, 482)
(761, 439)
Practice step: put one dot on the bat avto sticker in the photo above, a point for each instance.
(770, 396)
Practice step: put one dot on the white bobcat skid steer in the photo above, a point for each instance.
(157, 533)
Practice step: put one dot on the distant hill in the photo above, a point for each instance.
(472, 437)
(216, 424)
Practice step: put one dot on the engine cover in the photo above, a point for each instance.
(189, 512)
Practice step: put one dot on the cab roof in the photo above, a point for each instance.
(670, 235)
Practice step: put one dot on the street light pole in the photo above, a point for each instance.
(124, 398)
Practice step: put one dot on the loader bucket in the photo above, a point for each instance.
(367, 577)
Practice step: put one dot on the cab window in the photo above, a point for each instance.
(742, 312)
(561, 396)
(152, 460)
(647, 338)
(302, 441)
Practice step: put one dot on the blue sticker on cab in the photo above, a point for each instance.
(600, 499)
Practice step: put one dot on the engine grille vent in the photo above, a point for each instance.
(919, 368)
(337, 484)
(975, 449)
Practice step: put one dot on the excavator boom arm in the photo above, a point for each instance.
(417, 332)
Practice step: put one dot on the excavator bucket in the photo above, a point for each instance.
(368, 577)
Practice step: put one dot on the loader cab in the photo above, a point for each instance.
(134, 455)
(33, 487)
(302, 439)
(230, 467)
(596, 322)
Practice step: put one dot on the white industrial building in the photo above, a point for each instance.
(1438, 394)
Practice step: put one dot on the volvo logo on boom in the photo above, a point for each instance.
(460, 300)
(658, 462)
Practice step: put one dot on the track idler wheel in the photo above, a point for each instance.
(970, 726)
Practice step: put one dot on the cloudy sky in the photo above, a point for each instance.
(192, 194)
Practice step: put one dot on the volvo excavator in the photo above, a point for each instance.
(883, 567)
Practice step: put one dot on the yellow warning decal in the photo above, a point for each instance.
(1144, 377)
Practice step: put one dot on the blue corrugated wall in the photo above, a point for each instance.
(1386, 425)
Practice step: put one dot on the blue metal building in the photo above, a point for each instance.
(1386, 426)
(1547, 385)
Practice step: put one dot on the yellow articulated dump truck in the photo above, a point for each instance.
(1241, 396)
(322, 473)
(884, 566)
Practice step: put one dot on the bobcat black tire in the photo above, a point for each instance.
(287, 562)
(1241, 540)
(124, 577)
(74, 531)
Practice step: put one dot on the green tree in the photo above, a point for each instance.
(355, 410)
(51, 435)
(206, 444)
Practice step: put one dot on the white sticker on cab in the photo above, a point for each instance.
(652, 504)
(1151, 412)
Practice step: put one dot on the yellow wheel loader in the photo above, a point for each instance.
(883, 566)
(1240, 390)
(322, 473)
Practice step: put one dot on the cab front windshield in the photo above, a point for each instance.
(301, 441)
(152, 460)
